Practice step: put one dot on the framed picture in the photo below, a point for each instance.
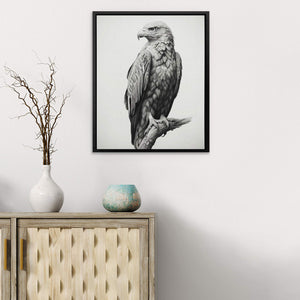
(151, 81)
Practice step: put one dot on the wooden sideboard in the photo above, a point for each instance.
(76, 256)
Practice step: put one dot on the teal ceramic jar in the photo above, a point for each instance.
(121, 197)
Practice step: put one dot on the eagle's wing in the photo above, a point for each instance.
(138, 78)
(179, 73)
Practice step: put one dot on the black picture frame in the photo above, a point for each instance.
(206, 78)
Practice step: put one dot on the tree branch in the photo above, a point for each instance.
(162, 128)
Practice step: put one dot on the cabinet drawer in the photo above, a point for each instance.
(74, 259)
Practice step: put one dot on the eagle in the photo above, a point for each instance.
(153, 80)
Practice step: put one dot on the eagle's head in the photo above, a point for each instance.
(156, 31)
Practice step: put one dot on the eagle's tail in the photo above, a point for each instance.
(137, 129)
(126, 99)
(134, 122)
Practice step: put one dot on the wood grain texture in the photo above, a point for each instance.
(151, 259)
(77, 262)
(100, 262)
(111, 264)
(32, 263)
(13, 258)
(5, 273)
(55, 269)
(88, 264)
(43, 262)
(21, 273)
(143, 263)
(71, 215)
(96, 249)
(64, 243)
(134, 264)
(122, 263)
(83, 223)
(85, 263)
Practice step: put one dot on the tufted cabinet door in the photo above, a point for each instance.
(92, 259)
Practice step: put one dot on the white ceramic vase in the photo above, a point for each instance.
(46, 195)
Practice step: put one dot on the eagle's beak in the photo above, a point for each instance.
(141, 33)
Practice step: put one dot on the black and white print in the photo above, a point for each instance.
(150, 81)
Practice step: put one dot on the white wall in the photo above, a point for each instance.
(228, 221)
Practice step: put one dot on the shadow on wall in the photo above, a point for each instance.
(6, 192)
(193, 264)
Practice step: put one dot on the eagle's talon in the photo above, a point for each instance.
(165, 121)
(152, 122)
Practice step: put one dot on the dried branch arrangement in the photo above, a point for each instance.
(41, 105)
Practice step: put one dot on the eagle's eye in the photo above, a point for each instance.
(153, 28)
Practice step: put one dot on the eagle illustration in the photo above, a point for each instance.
(153, 81)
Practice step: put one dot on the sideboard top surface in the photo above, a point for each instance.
(76, 215)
